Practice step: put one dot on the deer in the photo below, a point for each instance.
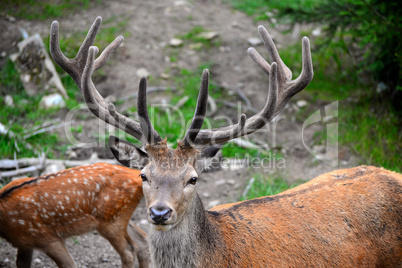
(345, 218)
(40, 213)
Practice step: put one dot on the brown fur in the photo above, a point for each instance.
(346, 218)
(39, 213)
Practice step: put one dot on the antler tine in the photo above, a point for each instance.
(200, 110)
(283, 71)
(146, 126)
(99, 107)
(74, 67)
(287, 87)
(245, 127)
(81, 67)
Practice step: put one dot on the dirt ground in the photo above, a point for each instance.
(151, 25)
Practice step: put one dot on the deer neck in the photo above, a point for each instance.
(187, 243)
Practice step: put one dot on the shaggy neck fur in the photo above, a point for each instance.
(185, 243)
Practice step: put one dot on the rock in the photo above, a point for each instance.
(54, 100)
(381, 87)
(316, 32)
(175, 42)
(231, 182)
(208, 35)
(195, 46)
(37, 261)
(8, 101)
(319, 148)
(53, 168)
(213, 203)
(142, 72)
(301, 103)
(254, 41)
(36, 69)
(165, 76)
(220, 182)
(3, 54)
(111, 98)
(10, 18)
(206, 195)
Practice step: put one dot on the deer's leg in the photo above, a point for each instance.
(57, 251)
(24, 258)
(121, 242)
(140, 241)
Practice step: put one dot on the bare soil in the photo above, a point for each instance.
(151, 24)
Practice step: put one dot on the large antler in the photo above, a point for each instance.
(81, 68)
(281, 89)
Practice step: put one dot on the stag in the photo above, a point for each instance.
(346, 218)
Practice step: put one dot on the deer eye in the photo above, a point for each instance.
(143, 177)
(192, 181)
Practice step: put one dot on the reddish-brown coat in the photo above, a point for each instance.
(346, 218)
(37, 211)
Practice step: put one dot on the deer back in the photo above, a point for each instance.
(346, 218)
(67, 203)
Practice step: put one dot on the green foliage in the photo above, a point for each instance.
(195, 36)
(373, 131)
(373, 24)
(265, 185)
(171, 123)
(22, 118)
(41, 9)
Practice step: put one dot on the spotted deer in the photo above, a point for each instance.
(39, 213)
(346, 218)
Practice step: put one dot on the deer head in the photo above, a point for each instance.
(169, 175)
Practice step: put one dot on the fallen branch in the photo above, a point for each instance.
(38, 164)
(239, 92)
(212, 106)
(149, 90)
(233, 105)
(49, 128)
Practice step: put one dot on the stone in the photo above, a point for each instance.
(175, 42)
(37, 261)
(254, 41)
(301, 103)
(213, 203)
(54, 100)
(165, 76)
(142, 72)
(231, 182)
(220, 182)
(53, 168)
(8, 100)
(208, 35)
(316, 32)
(36, 69)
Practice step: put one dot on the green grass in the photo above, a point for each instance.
(42, 10)
(198, 42)
(25, 115)
(370, 127)
(265, 185)
(258, 8)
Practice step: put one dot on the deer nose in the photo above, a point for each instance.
(160, 214)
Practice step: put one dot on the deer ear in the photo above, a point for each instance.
(208, 157)
(126, 153)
